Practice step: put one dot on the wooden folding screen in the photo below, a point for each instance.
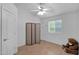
(32, 33)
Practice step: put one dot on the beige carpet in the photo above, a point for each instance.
(44, 48)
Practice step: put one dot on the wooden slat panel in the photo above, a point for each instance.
(37, 33)
(33, 33)
(28, 34)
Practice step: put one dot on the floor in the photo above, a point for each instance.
(44, 48)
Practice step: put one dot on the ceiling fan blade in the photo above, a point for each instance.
(45, 9)
(35, 10)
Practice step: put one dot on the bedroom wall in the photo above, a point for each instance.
(78, 26)
(24, 17)
(0, 29)
(70, 28)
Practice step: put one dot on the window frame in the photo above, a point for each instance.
(49, 30)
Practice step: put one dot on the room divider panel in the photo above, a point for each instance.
(28, 34)
(32, 33)
(37, 33)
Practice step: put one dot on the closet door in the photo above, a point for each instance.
(28, 33)
(37, 33)
(33, 33)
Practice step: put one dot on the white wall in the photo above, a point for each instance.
(70, 28)
(24, 17)
(0, 29)
(78, 26)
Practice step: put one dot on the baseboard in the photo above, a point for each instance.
(52, 42)
(21, 45)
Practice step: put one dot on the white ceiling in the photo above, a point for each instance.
(54, 8)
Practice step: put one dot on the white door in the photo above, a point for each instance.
(11, 29)
(4, 33)
(8, 33)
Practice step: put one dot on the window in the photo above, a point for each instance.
(55, 26)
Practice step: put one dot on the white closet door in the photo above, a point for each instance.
(8, 33)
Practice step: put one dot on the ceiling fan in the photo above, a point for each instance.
(41, 10)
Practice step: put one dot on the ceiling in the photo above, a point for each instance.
(54, 8)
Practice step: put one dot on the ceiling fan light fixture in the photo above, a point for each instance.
(41, 13)
(39, 7)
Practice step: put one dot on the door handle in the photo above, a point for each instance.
(5, 39)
